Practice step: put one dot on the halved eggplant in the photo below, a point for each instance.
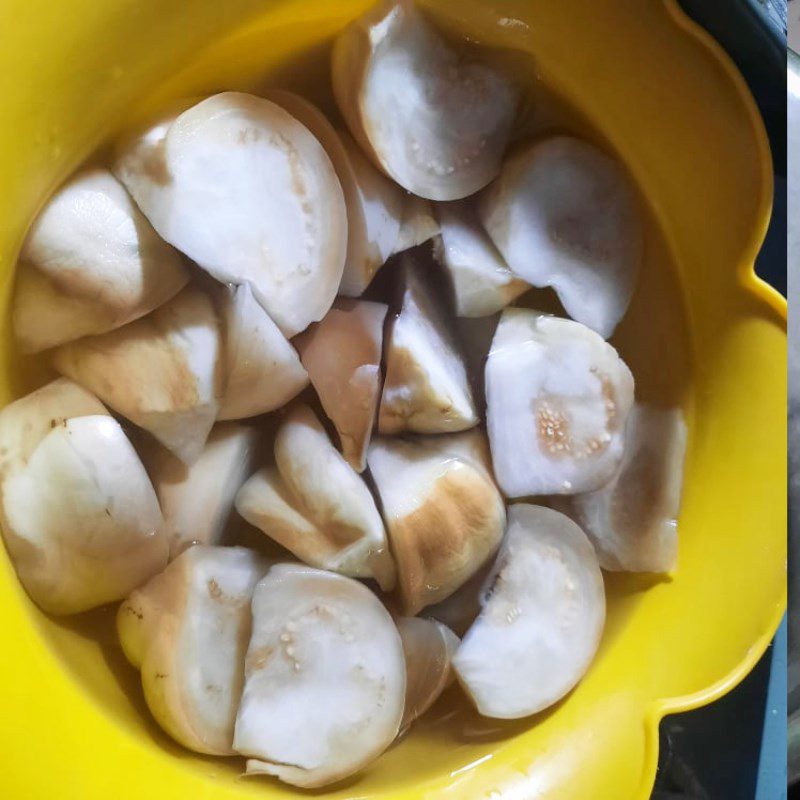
(564, 214)
(313, 503)
(262, 370)
(91, 262)
(187, 631)
(325, 678)
(426, 388)
(80, 518)
(197, 499)
(428, 647)
(435, 122)
(482, 282)
(633, 520)
(247, 192)
(161, 372)
(557, 400)
(444, 515)
(542, 617)
(342, 354)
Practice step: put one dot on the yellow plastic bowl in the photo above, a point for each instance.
(702, 330)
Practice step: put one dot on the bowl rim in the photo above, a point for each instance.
(656, 708)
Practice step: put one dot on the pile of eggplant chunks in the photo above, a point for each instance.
(221, 269)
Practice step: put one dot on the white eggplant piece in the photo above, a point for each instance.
(262, 370)
(418, 224)
(25, 422)
(482, 282)
(435, 122)
(160, 372)
(444, 515)
(633, 520)
(557, 399)
(325, 678)
(187, 631)
(342, 354)
(91, 262)
(374, 203)
(564, 214)
(426, 388)
(197, 499)
(313, 503)
(80, 518)
(541, 621)
(428, 647)
(247, 192)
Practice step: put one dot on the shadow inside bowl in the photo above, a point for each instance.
(624, 592)
(108, 679)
